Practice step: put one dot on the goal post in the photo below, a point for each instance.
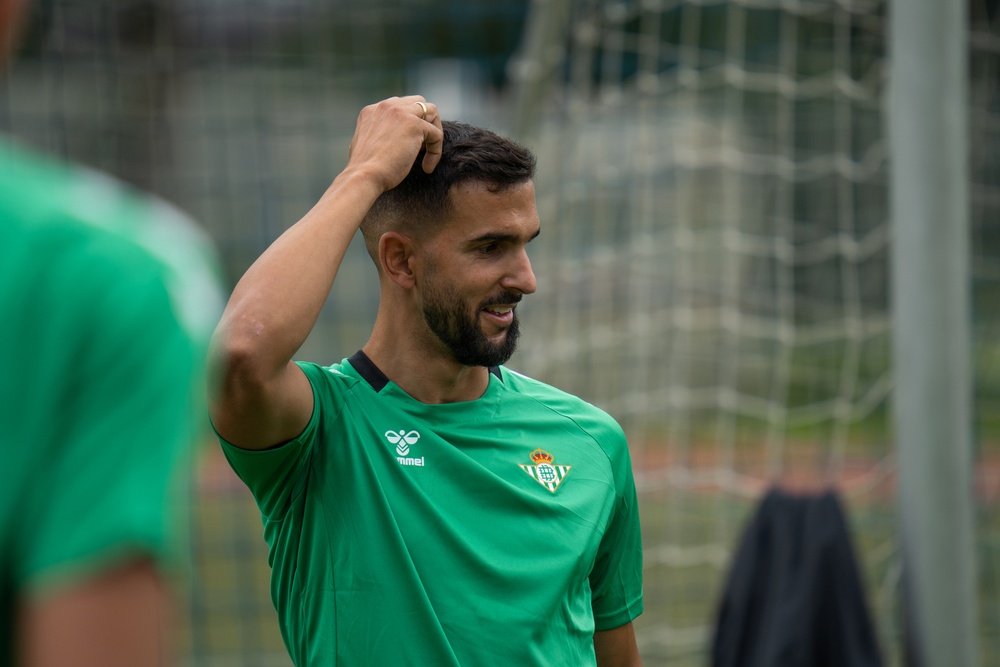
(928, 127)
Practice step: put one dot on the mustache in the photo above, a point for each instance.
(506, 298)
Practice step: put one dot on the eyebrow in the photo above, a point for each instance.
(501, 238)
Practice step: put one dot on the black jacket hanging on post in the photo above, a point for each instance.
(794, 596)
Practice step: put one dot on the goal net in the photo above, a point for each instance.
(713, 185)
(715, 272)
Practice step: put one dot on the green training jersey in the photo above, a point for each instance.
(108, 299)
(499, 531)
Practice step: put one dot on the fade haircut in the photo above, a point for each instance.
(421, 202)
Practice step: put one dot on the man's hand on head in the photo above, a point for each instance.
(390, 134)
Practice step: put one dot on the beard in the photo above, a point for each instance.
(446, 316)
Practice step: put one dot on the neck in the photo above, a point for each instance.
(416, 361)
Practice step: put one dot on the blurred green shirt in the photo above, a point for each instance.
(499, 531)
(107, 300)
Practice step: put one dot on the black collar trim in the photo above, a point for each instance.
(367, 369)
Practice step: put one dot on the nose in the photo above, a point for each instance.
(520, 277)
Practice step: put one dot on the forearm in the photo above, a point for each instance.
(115, 618)
(617, 647)
(278, 300)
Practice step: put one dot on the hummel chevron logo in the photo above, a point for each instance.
(403, 439)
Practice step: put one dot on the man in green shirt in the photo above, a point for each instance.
(108, 298)
(423, 504)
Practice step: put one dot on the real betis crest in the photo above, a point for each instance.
(544, 471)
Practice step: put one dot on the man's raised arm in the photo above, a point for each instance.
(264, 398)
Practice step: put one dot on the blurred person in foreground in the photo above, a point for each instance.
(108, 298)
(423, 504)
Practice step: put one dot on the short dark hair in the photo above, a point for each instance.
(421, 201)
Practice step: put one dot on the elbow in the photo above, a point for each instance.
(239, 387)
(240, 363)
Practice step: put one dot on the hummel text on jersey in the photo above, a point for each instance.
(410, 461)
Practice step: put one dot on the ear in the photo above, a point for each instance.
(395, 257)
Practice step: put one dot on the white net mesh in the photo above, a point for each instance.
(713, 269)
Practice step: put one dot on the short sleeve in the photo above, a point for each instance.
(123, 383)
(616, 579)
(276, 476)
